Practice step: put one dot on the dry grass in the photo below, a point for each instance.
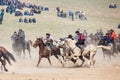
(97, 12)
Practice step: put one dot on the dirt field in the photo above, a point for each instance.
(99, 16)
(25, 69)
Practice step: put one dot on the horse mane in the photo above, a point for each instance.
(40, 39)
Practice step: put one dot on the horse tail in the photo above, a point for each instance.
(11, 56)
(6, 57)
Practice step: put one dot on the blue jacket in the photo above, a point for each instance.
(107, 39)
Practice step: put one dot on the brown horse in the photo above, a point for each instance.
(5, 56)
(46, 52)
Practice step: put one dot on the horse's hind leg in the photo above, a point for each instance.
(92, 59)
(59, 59)
(81, 57)
(24, 53)
(49, 61)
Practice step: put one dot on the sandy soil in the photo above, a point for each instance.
(25, 69)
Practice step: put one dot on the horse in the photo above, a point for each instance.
(5, 56)
(76, 53)
(27, 45)
(45, 51)
(22, 46)
(109, 50)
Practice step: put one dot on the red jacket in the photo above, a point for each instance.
(81, 37)
(114, 36)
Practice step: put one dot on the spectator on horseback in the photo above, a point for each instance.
(81, 40)
(49, 40)
(101, 34)
(85, 34)
(21, 35)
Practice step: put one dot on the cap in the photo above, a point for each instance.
(48, 34)
(77, 32)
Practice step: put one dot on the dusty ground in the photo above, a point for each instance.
(25, 69)
(99, 17)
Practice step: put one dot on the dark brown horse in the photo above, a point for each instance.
(45, 51)
(5, 56)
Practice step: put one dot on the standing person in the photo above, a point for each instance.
(1, 15)
(49, 40)
(58, 11)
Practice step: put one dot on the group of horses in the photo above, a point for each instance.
(69, 52)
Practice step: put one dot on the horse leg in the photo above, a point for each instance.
(81, 57)
(40, 57)
(104, 56)
(49, 61)
(92, 58)
(29, 52)
(24, 53)
(59, 60)
(73, 60)
(110, 57)
(3, 64)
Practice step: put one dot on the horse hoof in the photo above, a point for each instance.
(6, 70)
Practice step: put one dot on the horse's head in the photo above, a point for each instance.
(38, 42)
(101, 42)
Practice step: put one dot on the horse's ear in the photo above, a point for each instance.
(41, 38)
(37, 38)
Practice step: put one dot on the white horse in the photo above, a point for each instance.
(76, 53)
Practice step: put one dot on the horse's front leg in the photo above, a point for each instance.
(49, 60)
(40, 57)
(3, 64)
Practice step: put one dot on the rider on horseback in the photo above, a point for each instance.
(107, 38)
(49, 40)
(113, 36)
(14, 37)
(21, 35)
(81, 40)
